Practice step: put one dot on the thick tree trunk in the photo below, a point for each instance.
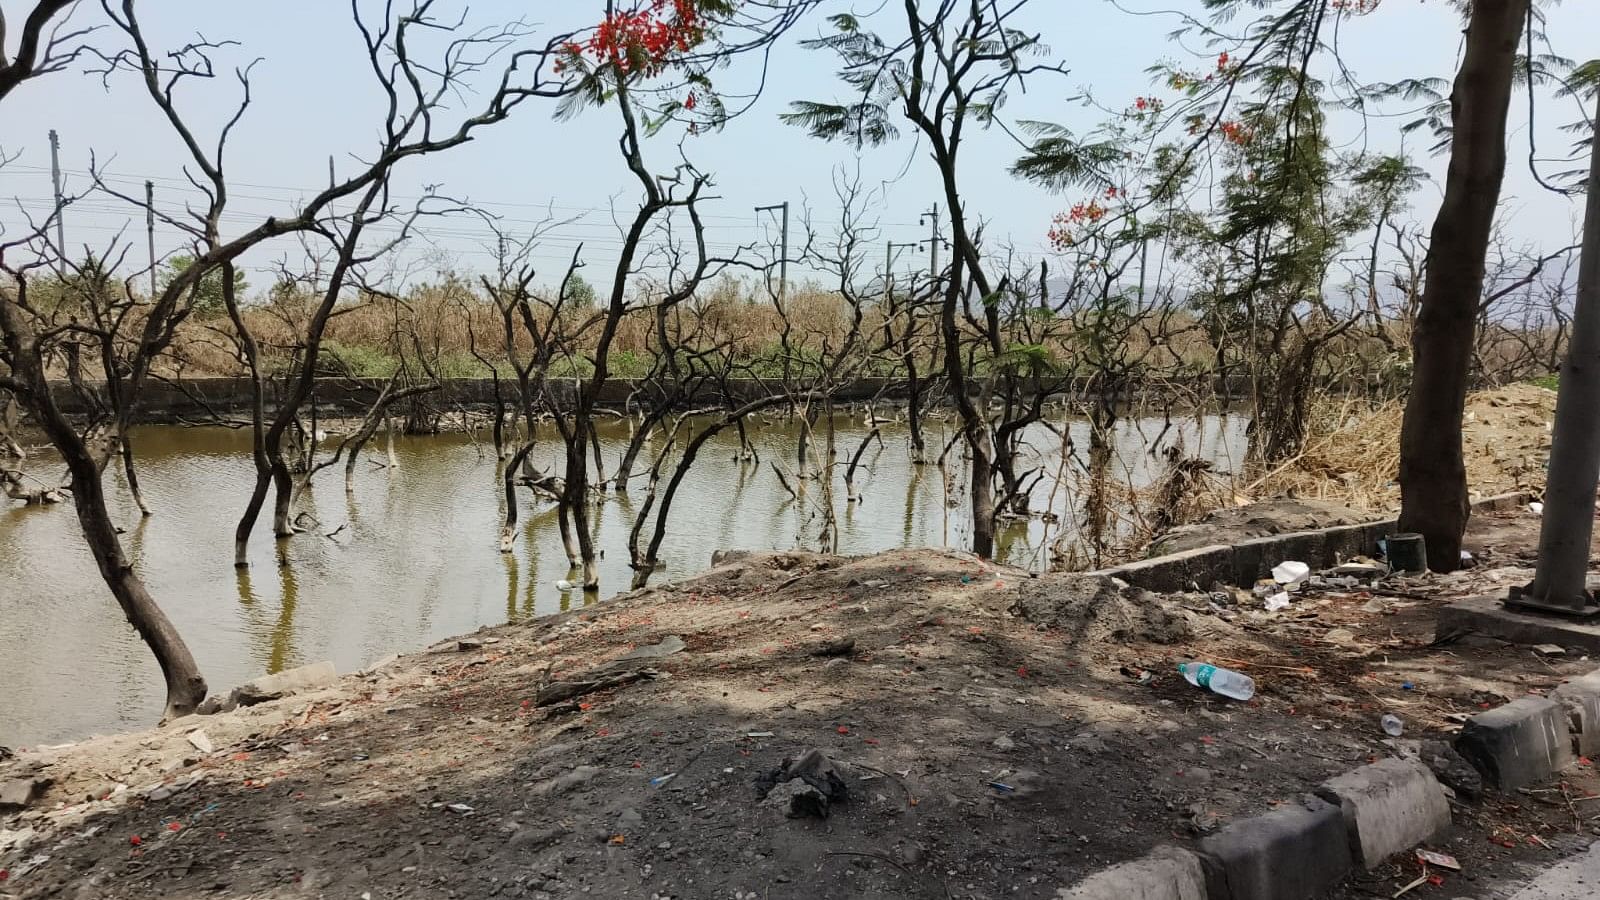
(1433, 479)
(282, 499)
(185, 686)
(1568, 525)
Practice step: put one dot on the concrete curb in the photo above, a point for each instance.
(1166, 873)
(1361, 817)
(1389, 807)
(1293, 852)
(1518, 744)
(1243, 563)
(1581, 698)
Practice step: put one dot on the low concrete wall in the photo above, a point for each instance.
(208, 399)
(1244, 563)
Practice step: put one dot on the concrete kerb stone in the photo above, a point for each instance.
(1389, 806)
(1288, 854)
(1580, 697)
(1166, 873)
(1518, 744)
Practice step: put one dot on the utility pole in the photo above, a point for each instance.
(783, 261)
(150, 230)
(932, 218)
(1560, 583)
(888, 267)
(55, 178)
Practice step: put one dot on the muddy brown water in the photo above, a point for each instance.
(415, 555)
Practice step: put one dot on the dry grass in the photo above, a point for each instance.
(1353, 455)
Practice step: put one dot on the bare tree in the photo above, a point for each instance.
(414, 126)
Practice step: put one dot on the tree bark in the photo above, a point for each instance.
(1568, 524)
(1433, 479)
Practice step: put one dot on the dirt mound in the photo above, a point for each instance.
(1506, 438)
(1230, 526)
(1096, 609)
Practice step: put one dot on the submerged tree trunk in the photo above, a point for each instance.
(185, 686)
(1433, 478)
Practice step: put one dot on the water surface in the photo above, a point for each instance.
(413, 555)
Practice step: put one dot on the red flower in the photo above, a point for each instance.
(689, 102)
(1222, 60)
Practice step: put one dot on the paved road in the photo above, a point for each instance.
(1576, 879)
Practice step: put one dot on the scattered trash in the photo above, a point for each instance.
(1002, 787)
(1466, 560)
(1222, 681)
(1550, 650)
(1442, 860)
(759, 734)
(1536, 508)
(1361, 567)
(1277, 602)
(659, 780)
(1392, 725)
(460, 809)
(1407, 686)
(1142, 676)
(1421, 880)
(1290, 573)
(199, 741)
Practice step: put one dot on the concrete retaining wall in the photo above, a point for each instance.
(203, 399)
(1242, 564)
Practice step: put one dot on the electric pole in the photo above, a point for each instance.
(150, 230)
(783, 260)
(55, 178)
(932, 218)
(888, 267)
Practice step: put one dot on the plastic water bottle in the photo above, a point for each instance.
(1226, 682)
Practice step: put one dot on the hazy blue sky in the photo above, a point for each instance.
(313, 98)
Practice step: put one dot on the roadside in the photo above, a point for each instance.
(993, 735)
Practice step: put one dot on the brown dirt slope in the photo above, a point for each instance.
(995, 735)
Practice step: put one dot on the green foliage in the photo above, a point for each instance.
(208, 301)
(579, 293)
(357, 360)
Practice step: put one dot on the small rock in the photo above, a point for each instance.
(840, 647)
(1452, 769)
(468, 644)
(796, 799)
(1550, 650)
(199, 741)
(1004, 743)
(18, 793)
(629, 821)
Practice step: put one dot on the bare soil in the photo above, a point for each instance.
(995, 735)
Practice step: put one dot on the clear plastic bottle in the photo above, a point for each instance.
(1226, 682)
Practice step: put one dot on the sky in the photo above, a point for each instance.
(312, 99)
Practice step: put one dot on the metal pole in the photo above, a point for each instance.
(1567, 526)
(150, 230)
(933, 242)
(783, 261)
(55, 178)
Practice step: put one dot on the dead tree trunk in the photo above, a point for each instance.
(1433, 477)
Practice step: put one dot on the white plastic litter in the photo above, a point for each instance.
(1290, 573)
(1278, 601)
